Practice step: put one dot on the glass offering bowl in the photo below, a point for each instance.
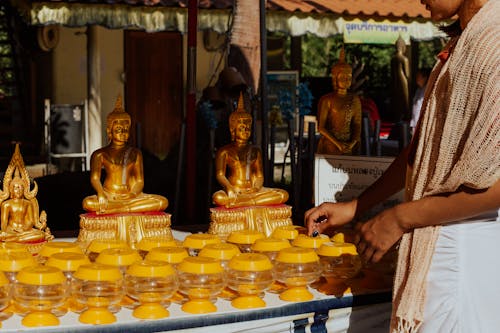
(68, 263)
(98, 287)
(98, 245)
(50, 248)
(147, 243)
(11, 263)
(40, 289)
(310, 242)
(289, 232)
(150, 283)
(296, 268)
(195, 242)
(249, 274)
(270, 246)
(118, 257)
(5, 297)
(200, 279)
(223, 252)
(339, 262)
(170, 254)
(244, 239)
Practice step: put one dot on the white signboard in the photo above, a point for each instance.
(341, 178)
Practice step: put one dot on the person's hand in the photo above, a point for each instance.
(376, 236)
(328, 215)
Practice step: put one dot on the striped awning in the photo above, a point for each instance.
(295, 17)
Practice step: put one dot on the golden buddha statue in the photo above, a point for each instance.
(339, 114)
(20, 219)
(239, 168)
(121, 191)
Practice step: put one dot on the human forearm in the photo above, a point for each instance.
(389, 183)
(436, 210)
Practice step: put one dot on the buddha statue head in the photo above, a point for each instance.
(17, 186)
(118, 114)
(341, 73)
(240, 118)
(400, 45)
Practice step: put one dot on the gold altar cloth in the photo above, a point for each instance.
(129, 227)
(265, 219)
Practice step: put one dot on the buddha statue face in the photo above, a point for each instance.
(341, 73)
(16, 188)
(118, 123)
(240, 123)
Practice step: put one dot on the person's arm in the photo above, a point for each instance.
(328, 215)
(380, 233)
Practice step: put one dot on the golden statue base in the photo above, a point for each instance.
(129, 227)
(265, 219)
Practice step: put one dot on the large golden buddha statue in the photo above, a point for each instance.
(121, 191)
(239, 170)
(244, 203)
(20, 219)
(339, 114)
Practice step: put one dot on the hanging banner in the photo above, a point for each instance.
(374, 32)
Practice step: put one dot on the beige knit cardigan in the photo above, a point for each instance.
(458, 144)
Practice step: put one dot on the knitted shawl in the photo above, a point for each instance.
(458, 143)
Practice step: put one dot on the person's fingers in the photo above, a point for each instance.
(377, 256)
(361, 247)
(368, 253)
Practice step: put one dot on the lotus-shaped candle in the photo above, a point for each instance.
(195, 242)
(249, 274)
(200, 279)
(40, 289)
(150, 283)
(98, 287)
(296, 268)
(244, 239)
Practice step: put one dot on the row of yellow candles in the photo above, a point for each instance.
(201, 278)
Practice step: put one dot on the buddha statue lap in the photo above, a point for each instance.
(120, 209)
(339, 114)
(239, 171)
(20, 218)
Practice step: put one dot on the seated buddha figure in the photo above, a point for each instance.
(20, 218)
(121, 190)
(239, 170)
(339, 114)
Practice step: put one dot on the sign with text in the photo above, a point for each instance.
(375, 32)
(341, 178)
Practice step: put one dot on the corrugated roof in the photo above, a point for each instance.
(381, 8)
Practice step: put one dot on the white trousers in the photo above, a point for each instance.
(463, 283)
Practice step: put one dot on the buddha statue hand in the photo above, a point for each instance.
(103, 202)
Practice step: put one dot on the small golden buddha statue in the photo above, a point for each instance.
(121, 191)
(339, 114)
(239, 168)
(20, 219)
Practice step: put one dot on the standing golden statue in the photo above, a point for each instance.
(239, 170)
(21, 220)
(339, 114)
(121, 191)
(400, 72)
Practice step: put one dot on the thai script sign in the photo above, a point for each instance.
(341, 178)
(373, 32)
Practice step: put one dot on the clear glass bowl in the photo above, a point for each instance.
(249, 275)
(150, 284)
(40, 290)
(201, 279)
(98, 288)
